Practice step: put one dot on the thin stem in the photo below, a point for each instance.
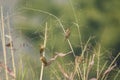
(100, 73)
(115, 78)
(73, 11)
(45, 41)
(80, 37)
(98, 61)
(3, 43)
(104, 76)
(11, 47)
(85, 47)
(76, 20)
(80, 71)
(114, 60)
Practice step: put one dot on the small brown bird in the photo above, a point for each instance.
(67, 33)
(10, 44)
(41, 49)
(44, 61)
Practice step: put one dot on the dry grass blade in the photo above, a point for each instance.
(10, 44)
(91, 63)
(63, 72)
(46, 63)
(110, 69)
(57, 55)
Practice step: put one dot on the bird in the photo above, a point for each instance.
(44, 61)
(10, 44)
(42, 48)
(67, 33)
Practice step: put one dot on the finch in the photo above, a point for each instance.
(67, 33)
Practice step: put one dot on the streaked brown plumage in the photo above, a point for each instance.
(67, 33)
(41, 49)
(10, 44)
(44, 61)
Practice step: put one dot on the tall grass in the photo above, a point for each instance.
(87, 66)
(4, 65)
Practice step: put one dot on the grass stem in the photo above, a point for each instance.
(3, 43)
(45, 41)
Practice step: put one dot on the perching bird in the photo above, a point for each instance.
(10, 44)
(67, 33)
(44, 61)
(41, 50)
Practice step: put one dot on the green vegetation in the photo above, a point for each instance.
(93, 40)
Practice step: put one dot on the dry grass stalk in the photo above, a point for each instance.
(63, 72)
(10, 44)
(110, 69)
(90, 65)
(43, 52)
(78, 60)
(3, 42)
(57, 55)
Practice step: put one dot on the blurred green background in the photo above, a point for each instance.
(85, 18)
(98, 18)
